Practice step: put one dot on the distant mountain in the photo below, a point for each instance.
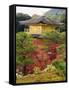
(35, 16)
(56, 11)
(57, 14)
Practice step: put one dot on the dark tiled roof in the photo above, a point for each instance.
(40, 19)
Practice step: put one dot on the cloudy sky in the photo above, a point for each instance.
(31, 11)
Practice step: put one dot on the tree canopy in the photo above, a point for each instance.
(21, 17)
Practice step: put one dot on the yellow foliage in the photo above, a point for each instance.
(48, 75)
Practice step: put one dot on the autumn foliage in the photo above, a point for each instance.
(33, 55)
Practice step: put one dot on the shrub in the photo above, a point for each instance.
(60, 66)
(55, 36)
(61, 50)
(36, 70)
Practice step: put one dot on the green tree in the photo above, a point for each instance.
(21, 17)
(23, 47)
(24, 43)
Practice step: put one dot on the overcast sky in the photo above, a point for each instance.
(31, 11)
